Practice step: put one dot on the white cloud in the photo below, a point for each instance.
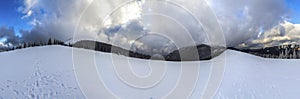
(26, 9)
(284, 33)
(243, 19)
(1, 44)
(240, 19)
(29, 4)
(28, 14)
(35, 22)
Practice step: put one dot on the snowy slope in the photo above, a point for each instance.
(252, 77)
(47, 72)
(39, 72)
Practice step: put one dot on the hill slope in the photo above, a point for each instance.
(47, 72)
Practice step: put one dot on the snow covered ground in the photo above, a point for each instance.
(47, 72)
(253, 77)
(38, 73)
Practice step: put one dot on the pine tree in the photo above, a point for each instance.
(294, 54)
(41, 43)
(298, 54)
(70, 44)
(50, 41)
(286, 54)
(34, 44)
(24, 45)
(281, 55)
(54, 42)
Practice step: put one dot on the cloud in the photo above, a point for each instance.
(2, 44)
(27, 8)
(28, 14)
(284, 33)
(9, 34)
(58, 19)
(241, 20)
(52, 18)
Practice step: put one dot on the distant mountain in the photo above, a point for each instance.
(103, 47)
(291, 51)
(200, 52)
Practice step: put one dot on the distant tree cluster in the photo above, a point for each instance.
(34, 44)
(280, 52)
(108, 48)
(57, 42)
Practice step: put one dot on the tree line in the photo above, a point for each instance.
(34, 44)
(278, 52)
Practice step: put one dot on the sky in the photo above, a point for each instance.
(294, 6)
(10, 16)
(254, 23)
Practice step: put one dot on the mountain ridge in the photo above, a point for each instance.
(205, 52)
